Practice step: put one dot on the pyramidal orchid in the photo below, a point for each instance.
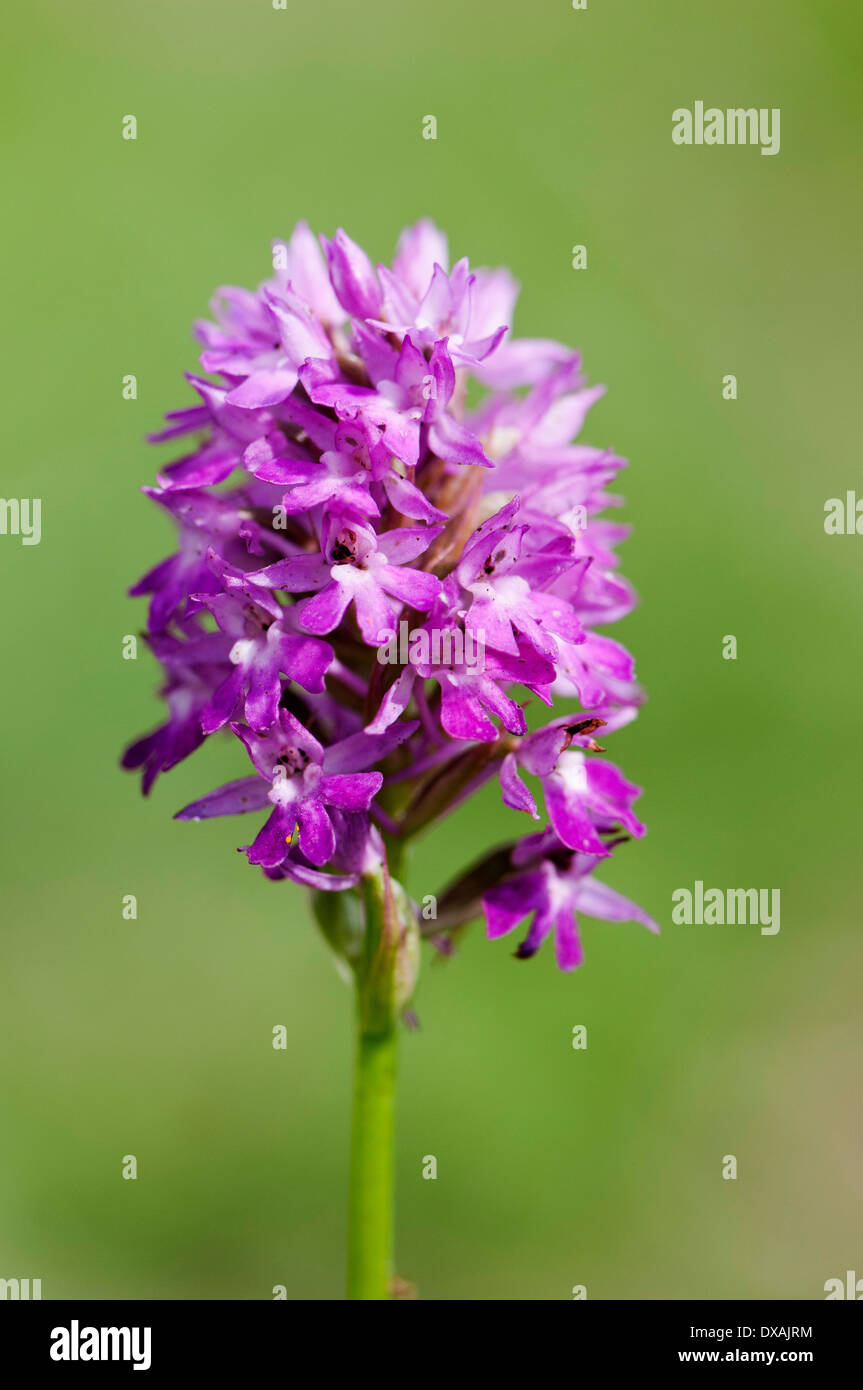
(389, 546)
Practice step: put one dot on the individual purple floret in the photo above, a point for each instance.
(375, 583)
(552, 887)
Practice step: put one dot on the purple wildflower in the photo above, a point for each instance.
(302, 780)
(338, 486)
(552, 887)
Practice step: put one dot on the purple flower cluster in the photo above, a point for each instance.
(338, 485)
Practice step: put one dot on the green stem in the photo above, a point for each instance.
(370, 1214)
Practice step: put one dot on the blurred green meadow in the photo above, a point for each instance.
(152, 1037)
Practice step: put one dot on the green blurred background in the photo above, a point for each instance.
(153, 1037)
